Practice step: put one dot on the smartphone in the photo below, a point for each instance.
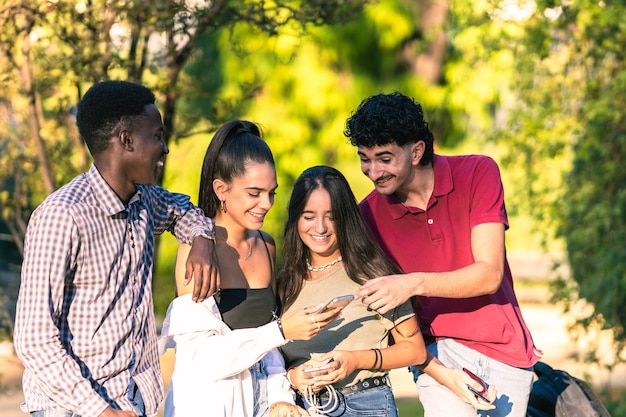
(337, 302)
(318, 368)
(482, 394)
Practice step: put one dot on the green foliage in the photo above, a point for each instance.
(615, 403)
(409, 408)
(568, 131)
(6, 323)
(199, 88)
(594, 206)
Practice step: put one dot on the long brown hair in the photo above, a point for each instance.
(363, 258)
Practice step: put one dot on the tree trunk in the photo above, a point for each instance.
(428, 64)
(33, 105)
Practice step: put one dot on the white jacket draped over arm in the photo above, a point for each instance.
(211, 376)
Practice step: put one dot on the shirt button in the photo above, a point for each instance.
(430, 221)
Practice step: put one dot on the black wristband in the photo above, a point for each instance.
(378, 361)
(424, 364)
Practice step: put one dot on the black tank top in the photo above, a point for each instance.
(244, 308)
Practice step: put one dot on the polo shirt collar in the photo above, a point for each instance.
(443, 185)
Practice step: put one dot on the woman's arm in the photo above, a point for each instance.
(179, 271)
(409, 349)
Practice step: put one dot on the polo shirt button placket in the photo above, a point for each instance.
(434, 231)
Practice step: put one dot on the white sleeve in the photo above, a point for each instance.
(278, 386)
(205, 344)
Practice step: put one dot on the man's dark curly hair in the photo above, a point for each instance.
(105, 105)
(387, 118)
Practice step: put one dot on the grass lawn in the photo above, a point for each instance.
(409, 408)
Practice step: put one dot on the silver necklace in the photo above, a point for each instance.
(233, 248)
(321, 268)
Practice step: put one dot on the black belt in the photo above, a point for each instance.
(365, 384)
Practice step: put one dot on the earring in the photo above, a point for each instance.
(223, 206)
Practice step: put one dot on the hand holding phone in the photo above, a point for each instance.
(324, 367)
(482, 393)
(337, 302)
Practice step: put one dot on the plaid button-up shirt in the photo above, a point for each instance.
(85, 321)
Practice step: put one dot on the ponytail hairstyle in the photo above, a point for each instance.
(235, 143)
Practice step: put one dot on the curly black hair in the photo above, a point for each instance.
(389, 118)
(105, 105)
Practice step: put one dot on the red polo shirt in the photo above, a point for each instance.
(468, 191)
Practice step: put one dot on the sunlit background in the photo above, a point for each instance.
(538, 85)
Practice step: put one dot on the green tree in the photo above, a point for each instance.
(53, 50)
(567, 129)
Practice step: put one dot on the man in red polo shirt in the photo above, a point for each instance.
(442, 219)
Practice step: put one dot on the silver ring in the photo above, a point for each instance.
(313, 318)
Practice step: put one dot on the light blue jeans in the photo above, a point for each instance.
(512, 384)
(258, 373)
(371, 402)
